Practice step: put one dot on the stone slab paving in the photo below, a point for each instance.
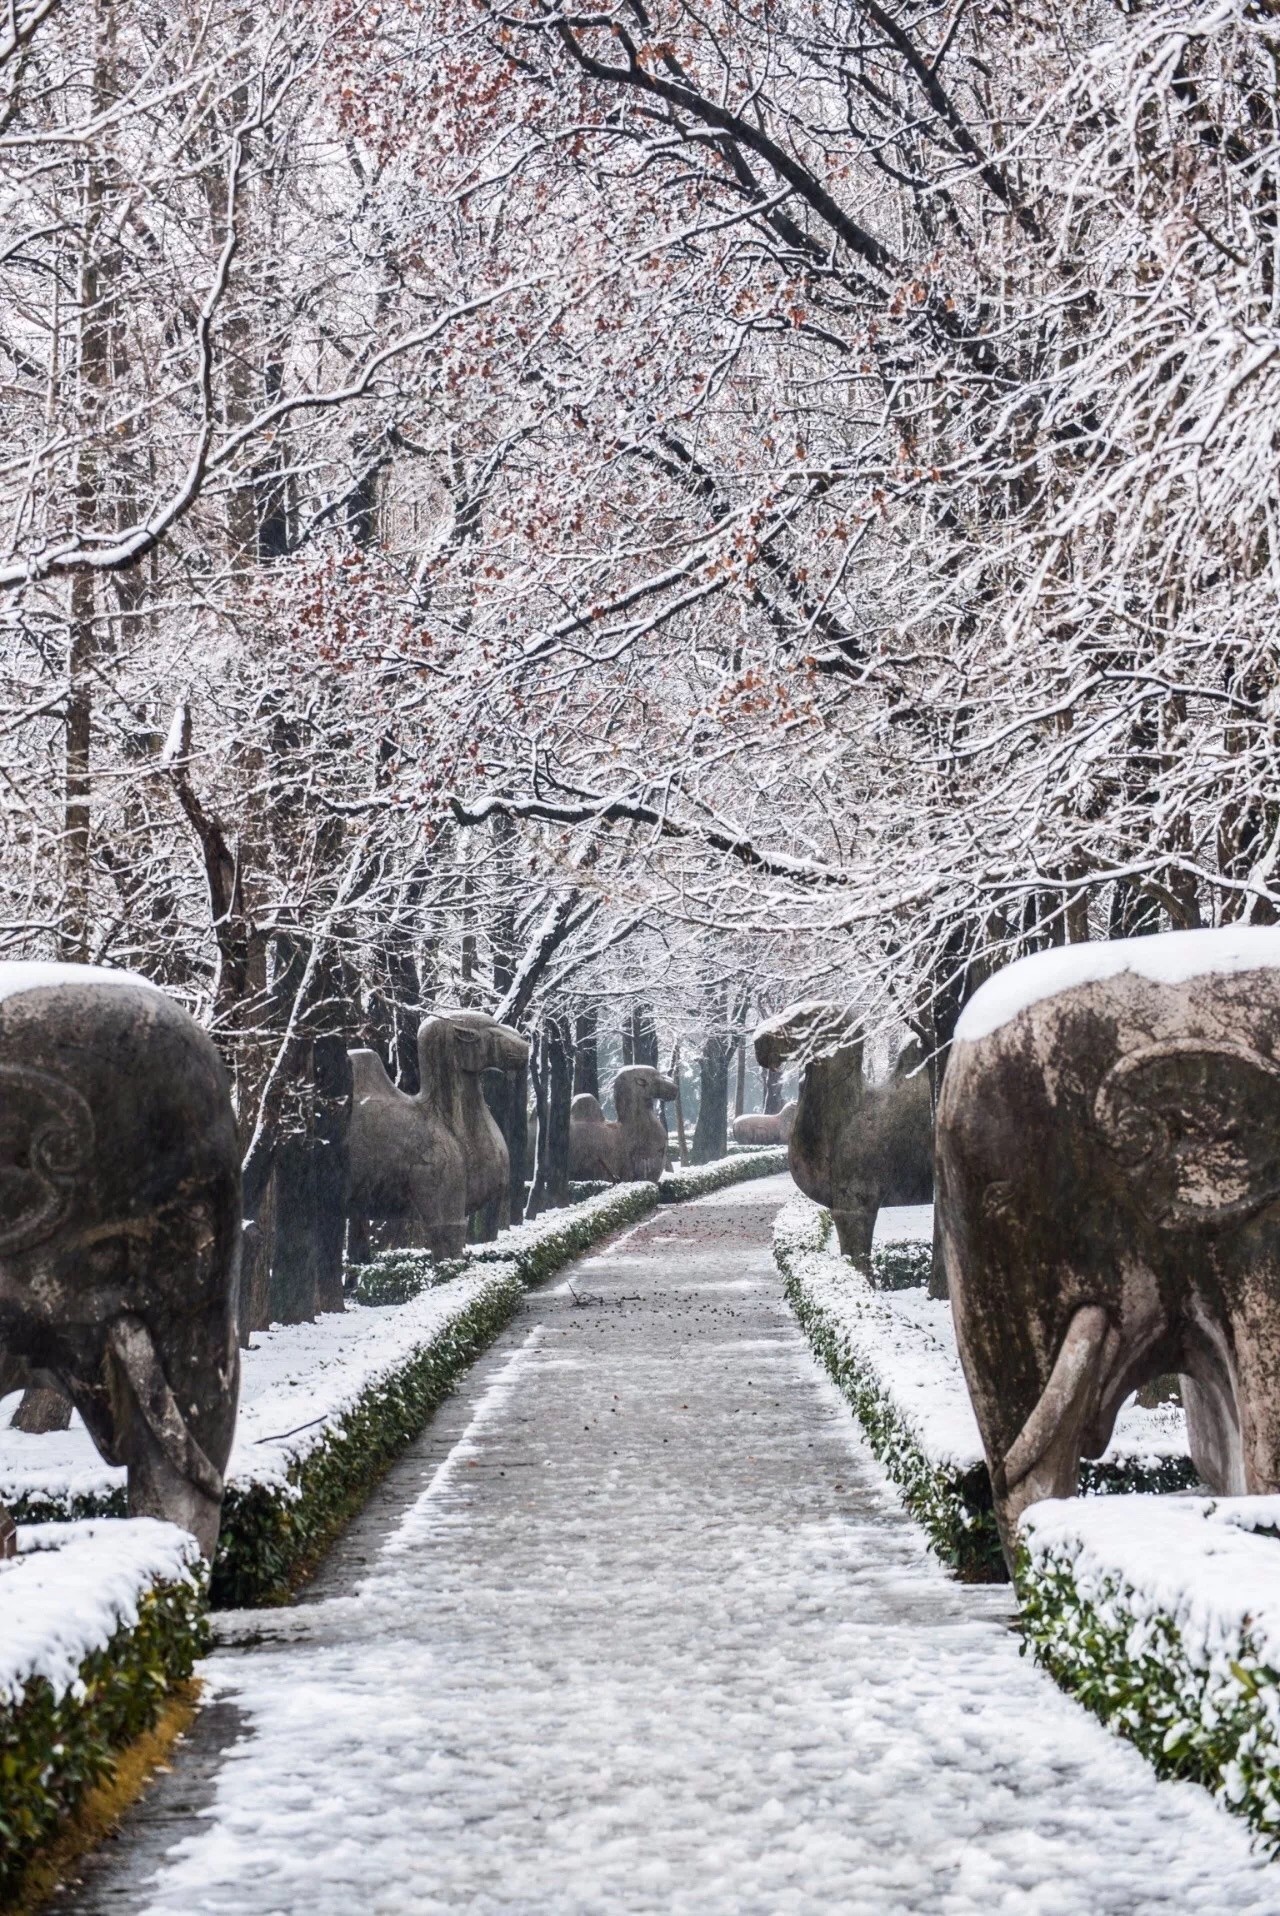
(639, 1626)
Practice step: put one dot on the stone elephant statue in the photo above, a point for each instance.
(1109, 1197)
(853, 1146)
(120, 1228)
(427, 1161)
(766, 1127)
(636, 1146)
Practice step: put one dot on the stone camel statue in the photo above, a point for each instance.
(1109, 1197)
(479, 1044)
(636, 1146)
(853, 1146)
(766, 1127)
(120, 1228)
(427, 1161)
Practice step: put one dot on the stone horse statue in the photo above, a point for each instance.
(426, 1162)
(853, 1146)
(636, 1146)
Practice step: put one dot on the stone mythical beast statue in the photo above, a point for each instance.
(428, 1161)
(633, 1148)
(1109, 1196)
(120, 1228)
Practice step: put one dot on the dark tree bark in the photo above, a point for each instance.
(644, 1037)
(586, 1060)
(773, 1099)
(553, 1152)
(711, 1133)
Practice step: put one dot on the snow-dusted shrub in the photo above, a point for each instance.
(537, 1248)
(98, 1621)
(902, 1265)
(1162, 1616)
(698, 1180)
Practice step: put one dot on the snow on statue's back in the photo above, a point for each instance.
(1169, 958)
(18, 975)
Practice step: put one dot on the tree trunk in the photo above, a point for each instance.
(773, 1099)
(553, 1152)
(681, 1140)
(332, 1080)
(586, 1060)
(711, 1133)
(644, 1037)
(740, 1085)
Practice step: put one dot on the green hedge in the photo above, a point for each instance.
(698, 1180)
(54, 1749)
(537, 1248)
(902, 1266)
(1214, 1724)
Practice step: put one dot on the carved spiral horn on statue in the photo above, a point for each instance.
(46, 1147)
(1196, 1125)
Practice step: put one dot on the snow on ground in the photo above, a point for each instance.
(1169, 957)
(641, 1627)
(904, 1224)
(1198, 1560)
(73, 1585)
(296, 1380)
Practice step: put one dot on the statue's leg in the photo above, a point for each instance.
(43, 1408)
(157, 1489)
(445, 1236)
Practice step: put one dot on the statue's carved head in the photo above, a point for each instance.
(637, 1087)
(475, 1041)
(813, 1028)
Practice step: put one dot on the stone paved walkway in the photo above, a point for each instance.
(638, 1626)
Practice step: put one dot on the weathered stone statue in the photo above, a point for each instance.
(120, 1227)
(429, 1160)
(478, 1043)
(853, 1146)
(765, 1127)
(1109, 1195)
(636, 1146)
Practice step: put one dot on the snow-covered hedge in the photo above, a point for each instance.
(537, 1248)
(893, 1355)
(1162, 1615)
(698, 1180)
(98, 1621)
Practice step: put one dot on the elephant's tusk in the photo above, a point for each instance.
(1065, 1396)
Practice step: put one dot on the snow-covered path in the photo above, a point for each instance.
(639, 1626)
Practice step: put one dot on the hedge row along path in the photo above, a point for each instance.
(639, 1626)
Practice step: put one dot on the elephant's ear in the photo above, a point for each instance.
(1197, 1126)
(46, 1145)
